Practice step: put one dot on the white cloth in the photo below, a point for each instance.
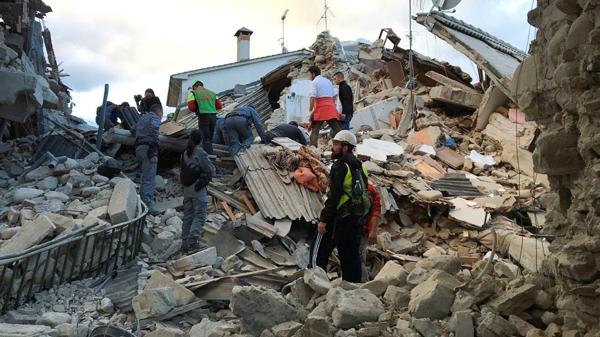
(321, 87)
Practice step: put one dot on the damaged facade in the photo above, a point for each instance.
(475, 237)
(31, 86)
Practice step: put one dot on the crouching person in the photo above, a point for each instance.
(196, 173)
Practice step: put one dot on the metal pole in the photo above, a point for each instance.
(102, 117)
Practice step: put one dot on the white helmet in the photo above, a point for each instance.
(345, 136)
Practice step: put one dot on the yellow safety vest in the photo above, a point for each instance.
(348, 185)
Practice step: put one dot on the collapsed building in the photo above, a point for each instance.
(473, 202)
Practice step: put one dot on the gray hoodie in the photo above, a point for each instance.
(199, 159)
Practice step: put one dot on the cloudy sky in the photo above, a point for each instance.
(135, 44)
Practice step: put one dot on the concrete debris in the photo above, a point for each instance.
(261, 309)
(349, 308)
(317, 279)
(153, 302)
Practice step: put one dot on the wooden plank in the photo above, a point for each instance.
(171, 127)
(248, 204)
(229, 212)
(396, 71)
(449, 82)
(215, 192)
(200, 284)
(450, 157)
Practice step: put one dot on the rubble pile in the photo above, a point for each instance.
(459, 248)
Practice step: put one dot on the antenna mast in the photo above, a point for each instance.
(282, 39)
(324, 16)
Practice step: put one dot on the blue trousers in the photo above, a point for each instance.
(148, 167)
(238, 134)
(347, 121)
(195, 210)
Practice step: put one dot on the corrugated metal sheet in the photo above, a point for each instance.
(259, 99)
(498, 58)
(58, 145)
(275, 198)
(456, 184)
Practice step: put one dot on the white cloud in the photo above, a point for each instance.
(135, 44)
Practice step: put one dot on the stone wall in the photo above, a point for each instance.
(559, 87)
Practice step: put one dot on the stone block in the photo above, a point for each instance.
(520, 325)
(56, 195)
(426, 327)
(392, 273)
(123, 202)
(159, 280)
(52, 319)
(317, 279)
(61, 222)
(48, 183)
(30, 235)
(208, 328)
(431, 195)
(491, 324)
(514, 301)
(353, 307)
(23, 330)
(447, 263)
(153, 302)
(166, 332)
(286, 329)
(462, 324)
(26, 193)
(396, 297)
(434, 297)
(206, 257)
(261, 308)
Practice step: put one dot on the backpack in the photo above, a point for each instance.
(189, 175)
(360, 198)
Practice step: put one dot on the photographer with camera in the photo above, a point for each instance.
(145, 103)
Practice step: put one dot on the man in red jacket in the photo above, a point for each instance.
(370, 228)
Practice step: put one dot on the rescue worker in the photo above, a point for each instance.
(205, 104)
(146, 152)
(322, 105)
(347, 204)
(196, 173)
(112, 115)
(370, 229)
(144, 104)
(289, 130)
(238, 128)
(346, 98)
(219, 136)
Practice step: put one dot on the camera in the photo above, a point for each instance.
(137, 98)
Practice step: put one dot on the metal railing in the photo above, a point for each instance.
(88, 252)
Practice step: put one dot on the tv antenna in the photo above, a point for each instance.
(445, 5)
(324, 16)
(282, 39)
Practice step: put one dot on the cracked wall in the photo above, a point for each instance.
(558, 85)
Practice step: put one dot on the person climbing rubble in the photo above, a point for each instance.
(289, 130)
(205, 104)
(346, 207)
(346, 98)
(195, 175)
(322, 105)
(370, 228)
(238, 128)
(146, 152)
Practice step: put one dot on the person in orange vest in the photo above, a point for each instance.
(370, 228)
(322, 105)
(205, 104)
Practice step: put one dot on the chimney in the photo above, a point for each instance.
(243, 43)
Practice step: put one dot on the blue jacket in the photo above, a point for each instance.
(146, 129)
(252, 117)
